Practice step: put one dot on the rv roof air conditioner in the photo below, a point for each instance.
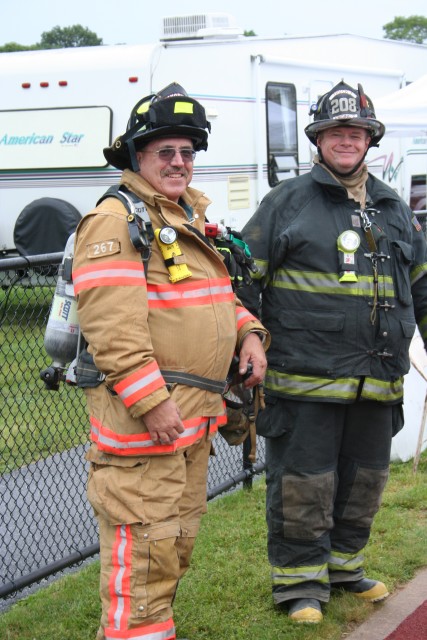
(200, 26)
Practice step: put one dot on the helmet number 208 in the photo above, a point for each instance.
(338, 105)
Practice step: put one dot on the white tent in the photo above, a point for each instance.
(404, 112)
(409, 442)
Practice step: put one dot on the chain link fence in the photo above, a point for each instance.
(46, 523)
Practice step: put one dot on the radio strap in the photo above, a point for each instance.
(139, 222)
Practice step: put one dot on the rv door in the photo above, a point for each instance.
(282, 138)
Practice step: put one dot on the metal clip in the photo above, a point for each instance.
(380, 354)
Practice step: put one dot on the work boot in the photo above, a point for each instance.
(366, 589)
(305, 610)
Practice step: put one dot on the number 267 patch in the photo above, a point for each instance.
(103, 248)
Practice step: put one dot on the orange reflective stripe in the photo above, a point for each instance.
(140, 384)
(158, 631)
(190, 293)
(217, 421)
(141, 443)
(109, 274)
(119, 584)
(244, 316)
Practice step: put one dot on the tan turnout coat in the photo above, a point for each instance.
(138, 323)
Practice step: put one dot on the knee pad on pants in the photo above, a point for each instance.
(364, 499)
(307, 503)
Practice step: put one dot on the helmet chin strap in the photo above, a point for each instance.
(340, 173)
(132, 155)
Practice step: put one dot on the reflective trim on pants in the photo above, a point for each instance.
(160, 631)
(326, 471)
(296, 575)
(148, 519)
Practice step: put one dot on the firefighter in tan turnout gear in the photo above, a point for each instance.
(162, 333)
(342, 276)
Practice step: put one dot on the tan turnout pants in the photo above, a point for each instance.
(148, 516)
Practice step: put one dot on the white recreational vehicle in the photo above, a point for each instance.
(59, 108)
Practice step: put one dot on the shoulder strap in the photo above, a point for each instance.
(139, 222)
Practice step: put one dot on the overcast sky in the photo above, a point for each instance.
(139, 21)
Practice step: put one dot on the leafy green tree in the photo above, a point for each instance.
(75, 36)
(249, 33)
(411, 29)
(57, 38)
(10, 47)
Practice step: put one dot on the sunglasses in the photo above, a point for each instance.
(167, 154)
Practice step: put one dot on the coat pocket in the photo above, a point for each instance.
(312, 340)
(403, 256)
(270, 421)
(116, 493)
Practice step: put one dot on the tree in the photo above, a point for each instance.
(10, 47)
(57, 38)
(411, 29)
(75, 36)
(249, 33)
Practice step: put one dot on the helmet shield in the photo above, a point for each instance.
(171, 112)
(345, 106)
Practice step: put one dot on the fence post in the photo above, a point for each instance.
(247, 464)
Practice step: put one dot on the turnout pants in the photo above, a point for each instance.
(326, 471)
(148, 516)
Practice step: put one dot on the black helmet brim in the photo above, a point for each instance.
(375, 128)
(118, 153)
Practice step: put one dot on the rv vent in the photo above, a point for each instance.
(202, 25)
(238, 192)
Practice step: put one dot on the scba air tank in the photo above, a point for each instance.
(62, 330)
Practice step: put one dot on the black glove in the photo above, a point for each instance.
(237, 259)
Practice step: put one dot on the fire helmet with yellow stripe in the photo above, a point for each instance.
(170, 112)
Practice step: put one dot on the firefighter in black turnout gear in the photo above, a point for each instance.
(341, 286)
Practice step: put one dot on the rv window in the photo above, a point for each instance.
(67, 137)
(418, 194)
(282, 145)
(418, 199)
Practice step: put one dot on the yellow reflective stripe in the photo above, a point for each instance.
(345, 561)
(385, 286)
(317, 282)
(313, 386)
(418, 272)
(295, 575)
(143, 108)
(262, 269)
(341, 388)
(382, 390)
(422, 326)
(183, 107)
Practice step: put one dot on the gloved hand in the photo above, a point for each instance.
(237, 259)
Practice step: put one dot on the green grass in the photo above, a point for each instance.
(226, 593)
(34, 422)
